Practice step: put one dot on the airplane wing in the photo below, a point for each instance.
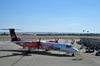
(29, 41)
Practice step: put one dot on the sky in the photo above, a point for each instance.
(50, 15)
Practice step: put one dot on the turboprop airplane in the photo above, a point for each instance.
(47, 45)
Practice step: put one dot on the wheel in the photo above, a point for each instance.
(23, 47)
(46, 50)
(96, 54)
(28, 51)
(73, 54)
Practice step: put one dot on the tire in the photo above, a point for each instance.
(96, 54)
(23, 47)
(46, 50)
(28, 51)
(73, 54)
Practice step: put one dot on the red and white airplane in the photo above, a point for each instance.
(47, 45)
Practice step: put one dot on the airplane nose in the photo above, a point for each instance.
(75, 50)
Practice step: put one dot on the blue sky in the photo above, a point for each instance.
(50, 15)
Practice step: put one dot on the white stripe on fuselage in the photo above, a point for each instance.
(62, 47)
(56, 45)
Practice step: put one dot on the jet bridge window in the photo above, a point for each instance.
(68, 46)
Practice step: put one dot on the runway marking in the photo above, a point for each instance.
(31, 61)
(97, 62)
(19, 59)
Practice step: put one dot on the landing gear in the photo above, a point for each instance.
(97, 53)
(23, 47)
(89, 50)
(46, 49)
(73, 54)
(28, 50)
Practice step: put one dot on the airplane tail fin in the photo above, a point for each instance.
(12, 34)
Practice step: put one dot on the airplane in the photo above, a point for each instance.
(47, 45)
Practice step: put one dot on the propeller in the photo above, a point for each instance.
(39, 44)
(56, 40)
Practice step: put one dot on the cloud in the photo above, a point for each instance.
(49, 26)
(73, 25)
(44, 28)
(65, 26)
(10, 26)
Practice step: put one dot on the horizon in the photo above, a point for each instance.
(47, 33)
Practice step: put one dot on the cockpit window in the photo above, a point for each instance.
(68, 46)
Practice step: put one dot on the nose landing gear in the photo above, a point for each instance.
(73, 54)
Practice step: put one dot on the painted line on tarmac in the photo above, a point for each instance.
(19, 59)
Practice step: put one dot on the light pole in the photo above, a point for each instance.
(83, 32)
(87, 34)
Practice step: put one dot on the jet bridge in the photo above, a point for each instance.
(91, 44)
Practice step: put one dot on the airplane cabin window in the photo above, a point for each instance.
(68, 46)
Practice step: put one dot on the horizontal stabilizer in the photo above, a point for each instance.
(10, 29)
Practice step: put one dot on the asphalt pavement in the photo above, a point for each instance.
(14, 55)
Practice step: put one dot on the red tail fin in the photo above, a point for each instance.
(13, 35)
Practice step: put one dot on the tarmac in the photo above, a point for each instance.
(14, 55)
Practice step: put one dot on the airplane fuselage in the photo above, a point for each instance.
(48, 46)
